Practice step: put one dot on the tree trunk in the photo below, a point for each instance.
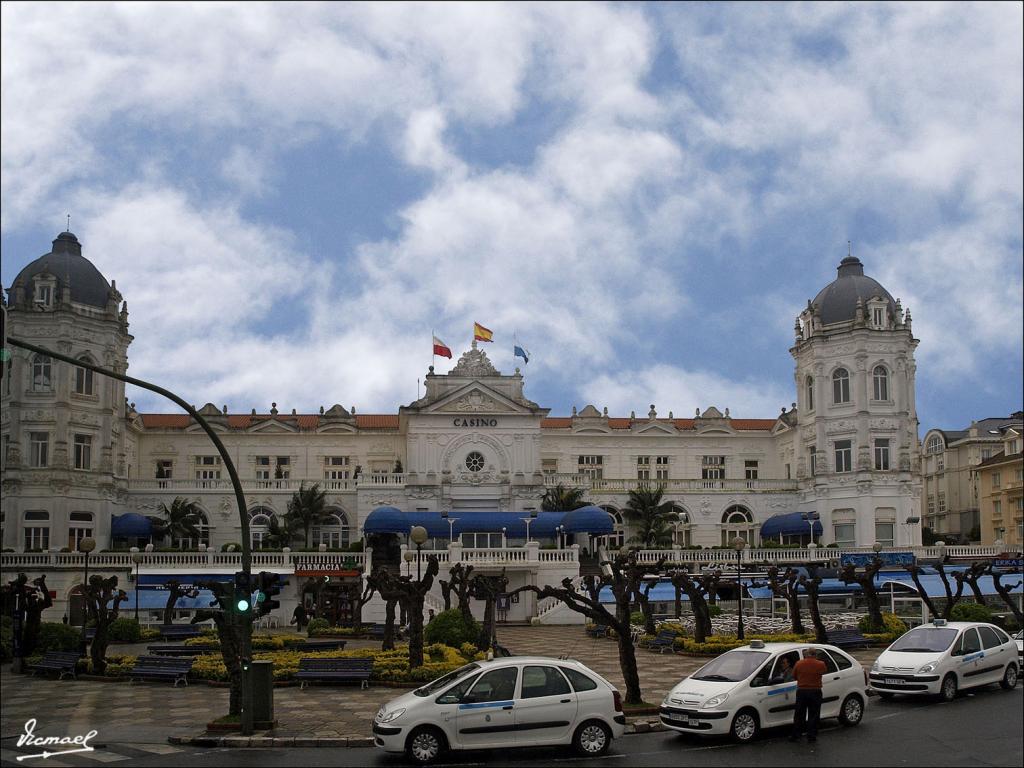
(415, 609)
(30, 632)
(446, 594)
(172, 598)
(793, 598)
(1004, 592)
(820, 633)
(874, 606)
(648, 614)
(679, 602)
(627, 661)
(487, 630)
(230, 650)
(388, 640)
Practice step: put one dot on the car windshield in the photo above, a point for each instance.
(925, 640)
(446, 680)
(731, 667)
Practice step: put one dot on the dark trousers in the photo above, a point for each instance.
(808, 710)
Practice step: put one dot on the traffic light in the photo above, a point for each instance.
(243, 592)
(269, 585)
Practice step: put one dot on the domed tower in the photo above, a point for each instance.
(63, 431)
(858, 462)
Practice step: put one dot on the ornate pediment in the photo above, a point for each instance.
(473, 363)
(476, 398)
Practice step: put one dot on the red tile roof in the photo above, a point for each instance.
(559, 422)
(382, 421)
(304, 421)
(762, 424)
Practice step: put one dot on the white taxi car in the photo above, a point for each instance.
(510, 702)
(945, 657)
(747, 689)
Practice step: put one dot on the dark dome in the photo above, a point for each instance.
(837, 301)
(66, 263)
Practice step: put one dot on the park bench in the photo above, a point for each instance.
(319, 645)
(56, 661)
(90, 634)
(183, 650)
(337, 670)
(664, 641)
(162, 668)
(179, 631)
(847, 638)
(600, 630)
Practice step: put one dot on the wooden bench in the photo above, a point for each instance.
(57, 661)
(319, 645)
(847, 638)
(375, 631)
(179, 631)
(600, 630)
(162, 668)
(183, 650)
(340, 670)
(665, 641)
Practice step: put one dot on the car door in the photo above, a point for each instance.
(831, 684)
(545, 710)
(486, 716)
(849, 675)
(966, 657)
(996, 654)
(775, 697)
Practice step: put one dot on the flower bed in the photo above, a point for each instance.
(259, 642)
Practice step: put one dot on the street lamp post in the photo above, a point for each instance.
(504, 540)
(418, 534)
(739, 544)
(137, 559)
(528, 520)
(811, 518)
(451, 525)
(409, 557)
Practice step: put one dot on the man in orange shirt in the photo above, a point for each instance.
(808, 673)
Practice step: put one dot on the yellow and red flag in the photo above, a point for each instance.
(482, 334)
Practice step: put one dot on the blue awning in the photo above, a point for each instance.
(788, 524)
(592, 520)
(156, 599)
(130, 525)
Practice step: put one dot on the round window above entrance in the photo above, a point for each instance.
(475, 461)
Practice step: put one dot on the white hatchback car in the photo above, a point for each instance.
(521, 701)
(745, 690)
(942, 658)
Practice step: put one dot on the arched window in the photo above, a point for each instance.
(681, 527)
(809, 388)
(934, 444)
(737, 520)
(617, 538)
(83, 378)
(79, 527)
(841, 386)
(37, 530)
(41, 373)
(259, 526)
(334, 531)
(881, 376)
(202, 525)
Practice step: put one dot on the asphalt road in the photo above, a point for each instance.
(984, 728)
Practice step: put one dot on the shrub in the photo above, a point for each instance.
(636, 617)
(125, 630)
(714, 610)
(58, 637)
(970, 612)
(149, 633)
(891, 625)
(452, 629)
(316, 625)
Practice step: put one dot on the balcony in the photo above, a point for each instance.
(226, 561)
(626, 485)
(768, 556)
(223, 485)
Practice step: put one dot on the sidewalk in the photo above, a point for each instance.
(337, 715)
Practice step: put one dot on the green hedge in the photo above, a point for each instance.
(891, 625)
(58, 637)
(125, 630)
(970, 612)
(452, 629)
(317, 625)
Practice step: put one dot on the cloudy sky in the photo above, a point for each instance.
(291, 196)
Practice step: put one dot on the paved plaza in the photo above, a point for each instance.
(152, 712)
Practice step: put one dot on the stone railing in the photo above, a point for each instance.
(223, 485)
(767, 556)
(530, 554)
(208, 559)
(624, 485)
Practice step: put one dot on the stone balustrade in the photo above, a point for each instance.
(624, 485)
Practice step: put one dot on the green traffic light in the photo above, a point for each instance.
(243, 606)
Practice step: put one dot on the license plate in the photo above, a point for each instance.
(692, 723)
(893, 681)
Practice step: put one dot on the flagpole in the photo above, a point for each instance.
(433, 357)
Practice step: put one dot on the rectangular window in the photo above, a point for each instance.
(931, 505)
(750, 467)
(997, 508)
(877, 317)
(44, 294)
(76, 533)
(83, 381)
(164, 469)
(712, 468)
(207, 461)
(996, 479)
(83, 452)
(986, 453)
(661, 467)
(643, 467)
(884, 534)
(882, 453)
(845, 534)
(37, 538)
(813, 463)
(336, 468)
(788, 473)
(39, 448)
(591, 466)
(481, 540)
(942, 501)
(844, 455)
(283, 469)
(549, 466)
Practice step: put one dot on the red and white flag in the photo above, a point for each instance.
(440, 348)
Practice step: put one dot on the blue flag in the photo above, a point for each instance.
(520, 352)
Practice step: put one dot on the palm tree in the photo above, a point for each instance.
(181, 520)
(562, 499)
(306, 508)
(651, 518)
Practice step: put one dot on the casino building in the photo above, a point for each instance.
(470, 460)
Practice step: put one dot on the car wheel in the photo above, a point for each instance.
(1009, 681)
(949, 688)
(852, 711)
(745, 726)
(885, 695)
(425, 745)
(592, 738)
